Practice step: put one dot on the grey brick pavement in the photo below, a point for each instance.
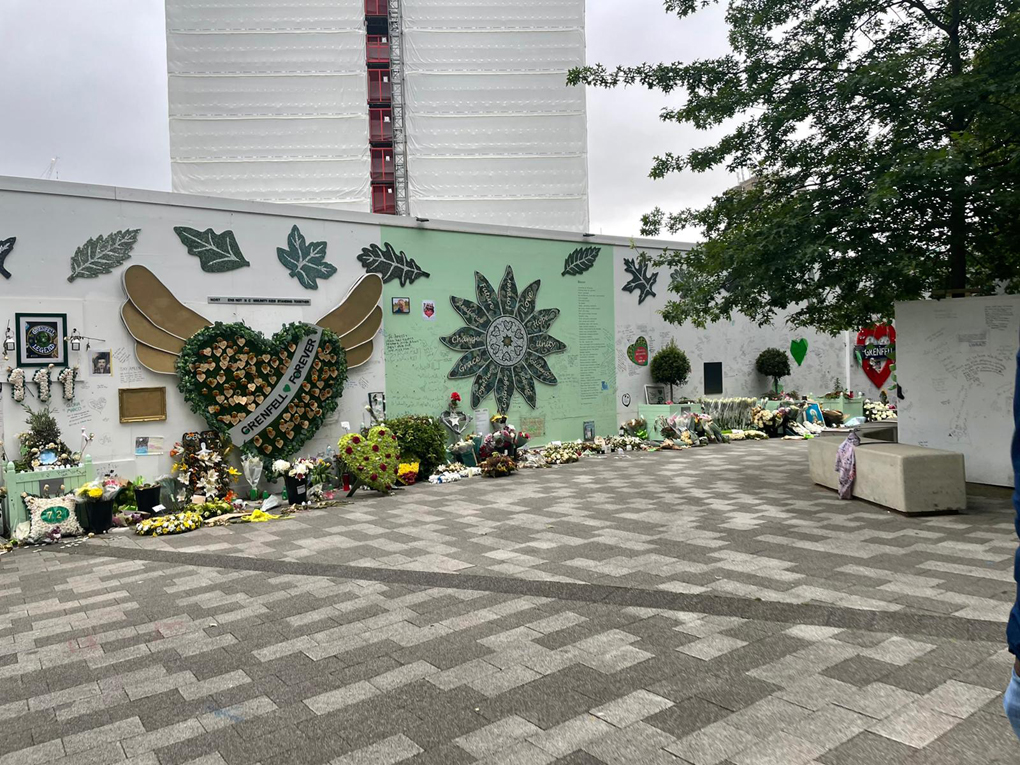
(550, 617)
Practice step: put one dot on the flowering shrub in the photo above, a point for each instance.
(421, 439)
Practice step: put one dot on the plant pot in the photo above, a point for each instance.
(297, 489)
(100, 516)
(146, 499)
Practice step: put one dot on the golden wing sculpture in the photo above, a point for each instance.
(160, 323)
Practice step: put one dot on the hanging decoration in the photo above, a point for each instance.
(637, 351)
(390, 264)
(580, 260)
(16, 378)
(66, 378)
(453, 418)
(42, 379)
(640, 279)
(6, 248)
(798, 349)
(505, 341)
(305, 261)
(102, 254)
(218, 253)
(876, 352)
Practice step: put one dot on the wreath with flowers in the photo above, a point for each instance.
(373, 459)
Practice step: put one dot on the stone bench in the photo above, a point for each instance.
(912, 480)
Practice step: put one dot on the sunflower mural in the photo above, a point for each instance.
(505, 342)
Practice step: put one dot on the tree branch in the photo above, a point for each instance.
(927, 12)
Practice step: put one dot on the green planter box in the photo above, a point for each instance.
(850, 407)
(653, 411)
(34, 482)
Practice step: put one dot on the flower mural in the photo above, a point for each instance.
(505, 341)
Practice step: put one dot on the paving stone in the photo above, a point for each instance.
(393, 749)
(712, 744)
(499, 735)
(915, 725)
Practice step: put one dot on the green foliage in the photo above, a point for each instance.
(306, 261)
(421, 439)
(881, 140)
(670, 366)
(774, 363)
(43, 434)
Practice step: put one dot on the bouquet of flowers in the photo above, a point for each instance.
(99, 490)
(452, 473)
(562, 454)
(498, 466)
(178, 523)
(454, 401)
(507, 440)
(638, 427)
(200, 469)
(876, 411)
(407, 472)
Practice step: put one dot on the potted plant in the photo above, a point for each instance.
(146, 494)
(95, 503)
(295, 478)
(670, 366)
(774, 363)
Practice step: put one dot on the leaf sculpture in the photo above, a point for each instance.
(6, 248)
(390, 264)
(580, 260)
(218, 253)
(639, 279)
(307, 262)
(102, 254)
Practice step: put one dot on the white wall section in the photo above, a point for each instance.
(268, 100)
(494, 134)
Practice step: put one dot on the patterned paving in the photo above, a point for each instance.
(709, 606)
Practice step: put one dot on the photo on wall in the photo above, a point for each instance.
(655, 394)
(428, 310)
(401, 305)
(101, 363)
(42, 339)
(377, 404)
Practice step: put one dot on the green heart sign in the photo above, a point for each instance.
(373, 459)
(638, 352)
(798, 349)
(269, 395)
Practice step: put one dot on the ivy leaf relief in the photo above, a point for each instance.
(6, 248)
(218, 253)
(306, 262)
(390, 264)
(102, 254)
(639, 279)
(580, 260)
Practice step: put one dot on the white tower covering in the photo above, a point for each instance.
(268, 100)
(493, 132)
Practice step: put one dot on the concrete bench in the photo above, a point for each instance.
(910, 479)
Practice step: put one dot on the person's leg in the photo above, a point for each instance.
(1011, 702)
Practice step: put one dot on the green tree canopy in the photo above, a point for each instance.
(774, 363)
(881, 138)
(670, 366)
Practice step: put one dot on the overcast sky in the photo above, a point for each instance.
(85, 80)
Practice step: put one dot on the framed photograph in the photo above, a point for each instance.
(589, 430)
(377, 402)
(400, 305)
(42, 339)
(101, 363)
(428, 310)
(655, 394)
(142, 404)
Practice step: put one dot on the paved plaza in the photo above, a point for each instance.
(707, 606)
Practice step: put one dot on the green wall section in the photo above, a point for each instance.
(418, 364)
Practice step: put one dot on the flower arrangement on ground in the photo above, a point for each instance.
(564, 454)
(408, 472)
(177, 523)
(453, 473)
(95, 499)
(637, 427)
(372, 459)
(211, 509)
(876, 411)
(498, 466)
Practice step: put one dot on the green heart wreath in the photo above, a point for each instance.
(373, 459)
(227, 370)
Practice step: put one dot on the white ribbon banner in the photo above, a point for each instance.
(283, 393)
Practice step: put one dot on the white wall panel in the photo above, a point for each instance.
(494, 133)
(268, 100)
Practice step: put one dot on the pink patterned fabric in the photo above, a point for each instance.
(846, 465)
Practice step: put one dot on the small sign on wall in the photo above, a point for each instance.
(533, 426)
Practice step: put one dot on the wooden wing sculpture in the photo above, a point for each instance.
(160, 324)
